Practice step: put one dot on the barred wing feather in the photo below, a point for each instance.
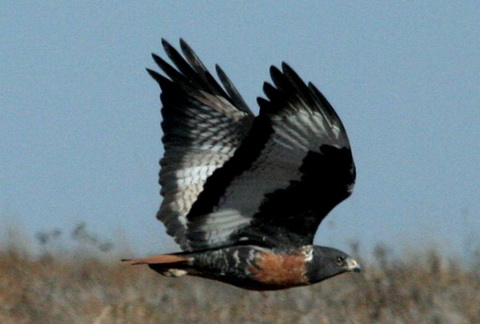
(203, 124)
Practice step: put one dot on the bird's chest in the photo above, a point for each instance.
(254, 268)
(279, 270)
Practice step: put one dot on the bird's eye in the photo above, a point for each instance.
(339, 261)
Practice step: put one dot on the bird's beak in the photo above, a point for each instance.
(352, 265)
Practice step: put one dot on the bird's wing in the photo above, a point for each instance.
(293, 167)
(203, 124)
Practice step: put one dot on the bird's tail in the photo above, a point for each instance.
(163, 259)
(169, 265)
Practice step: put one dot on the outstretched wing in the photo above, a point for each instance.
(203, 124)
(293, 167)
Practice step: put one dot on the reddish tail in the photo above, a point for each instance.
(163, 259)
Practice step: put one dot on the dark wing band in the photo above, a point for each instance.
(293, 167)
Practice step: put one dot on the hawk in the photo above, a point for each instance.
(243, 195)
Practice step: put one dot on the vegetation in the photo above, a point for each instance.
(96, 288)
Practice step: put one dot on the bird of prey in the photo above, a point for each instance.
(243, 195)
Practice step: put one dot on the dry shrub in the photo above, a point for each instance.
(83, 289)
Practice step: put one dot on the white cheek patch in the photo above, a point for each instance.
(307, 251)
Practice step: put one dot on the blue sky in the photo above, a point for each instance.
(79, 116)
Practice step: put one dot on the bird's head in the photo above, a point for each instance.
(328, 262)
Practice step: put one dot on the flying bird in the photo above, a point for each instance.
(243, 195)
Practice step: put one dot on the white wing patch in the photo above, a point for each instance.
(182, 181)
(200, 143)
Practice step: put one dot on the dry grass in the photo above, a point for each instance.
(89, 290)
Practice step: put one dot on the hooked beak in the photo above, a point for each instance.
(352, 265)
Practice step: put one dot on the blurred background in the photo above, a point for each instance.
(79, 116)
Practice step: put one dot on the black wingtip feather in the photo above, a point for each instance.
(269, 90)
(160, 62)
(162, 81)
(155, 75)
(295, 80)
(187, 49)
(170, 71)
(232, 90)
(276, 75)
(188, 72)
(288, 91)
(184, 66)
(287, 69)
(286, 81)
(262, 102)
(193, 58)
(166, 45)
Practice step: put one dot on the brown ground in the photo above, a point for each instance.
(86, 290)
